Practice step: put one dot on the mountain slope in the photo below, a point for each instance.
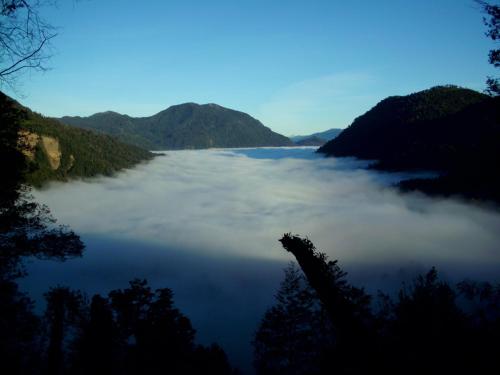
(58, 152)
(184, 126)
(449, 129)
(327, 135)
(403, 131)
(310, 141)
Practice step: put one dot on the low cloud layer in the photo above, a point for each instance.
(206, 223)
(240, 203)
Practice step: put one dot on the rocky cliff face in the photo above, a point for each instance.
(57, 152)
(28, 142)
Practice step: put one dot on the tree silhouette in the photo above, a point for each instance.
(26, 227)
(347, 306)
(430, 327)
(20, 332)
(157, 337)
(295, 333)
(493, 24)
(65, 310)
(26, 230)
(97, 349)
(211, 360)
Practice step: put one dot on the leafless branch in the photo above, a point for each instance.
(24, 39)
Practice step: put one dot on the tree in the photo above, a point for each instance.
(96, 350)
(65, 310)
(347, 306)
(161, 337)
(24, 39)
(20, 332)
(493, 24)
(429, 328)
(26, 227)
(295, 333)
(26, 230)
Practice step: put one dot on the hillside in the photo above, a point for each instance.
(311, 141)
(184, 126)
(449, 129)
(326, 136)
(57, 152)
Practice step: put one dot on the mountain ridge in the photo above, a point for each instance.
(183, 126)
(449, 129)
(54, 151)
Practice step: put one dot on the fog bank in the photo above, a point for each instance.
(206, 224)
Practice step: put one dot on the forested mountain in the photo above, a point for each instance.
(58, 152)
(449, 129)
(184, 126)
(327, 135)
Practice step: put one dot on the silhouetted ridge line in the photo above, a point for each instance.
(449, 129)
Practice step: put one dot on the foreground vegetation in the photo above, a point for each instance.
(321, 324)
(131, 331)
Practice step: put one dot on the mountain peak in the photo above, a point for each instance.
(185, 126)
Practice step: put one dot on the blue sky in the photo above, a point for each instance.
(298, 66)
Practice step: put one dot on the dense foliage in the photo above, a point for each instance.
(294, 334)
(184, 126)
(26, 230)
(452, 130)
(492, 22)
(83, 153)
(429, 327)
(135, 330)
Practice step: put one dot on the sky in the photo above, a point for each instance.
(207, 223)
(297, 66)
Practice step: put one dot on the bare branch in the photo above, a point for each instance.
(24, 39)
(11, 69)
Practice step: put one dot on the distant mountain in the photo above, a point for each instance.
(58, 152)
(326, 136)
(311, 141)
(184, 126)
(449, 129)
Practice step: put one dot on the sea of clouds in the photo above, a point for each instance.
(207, 223)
